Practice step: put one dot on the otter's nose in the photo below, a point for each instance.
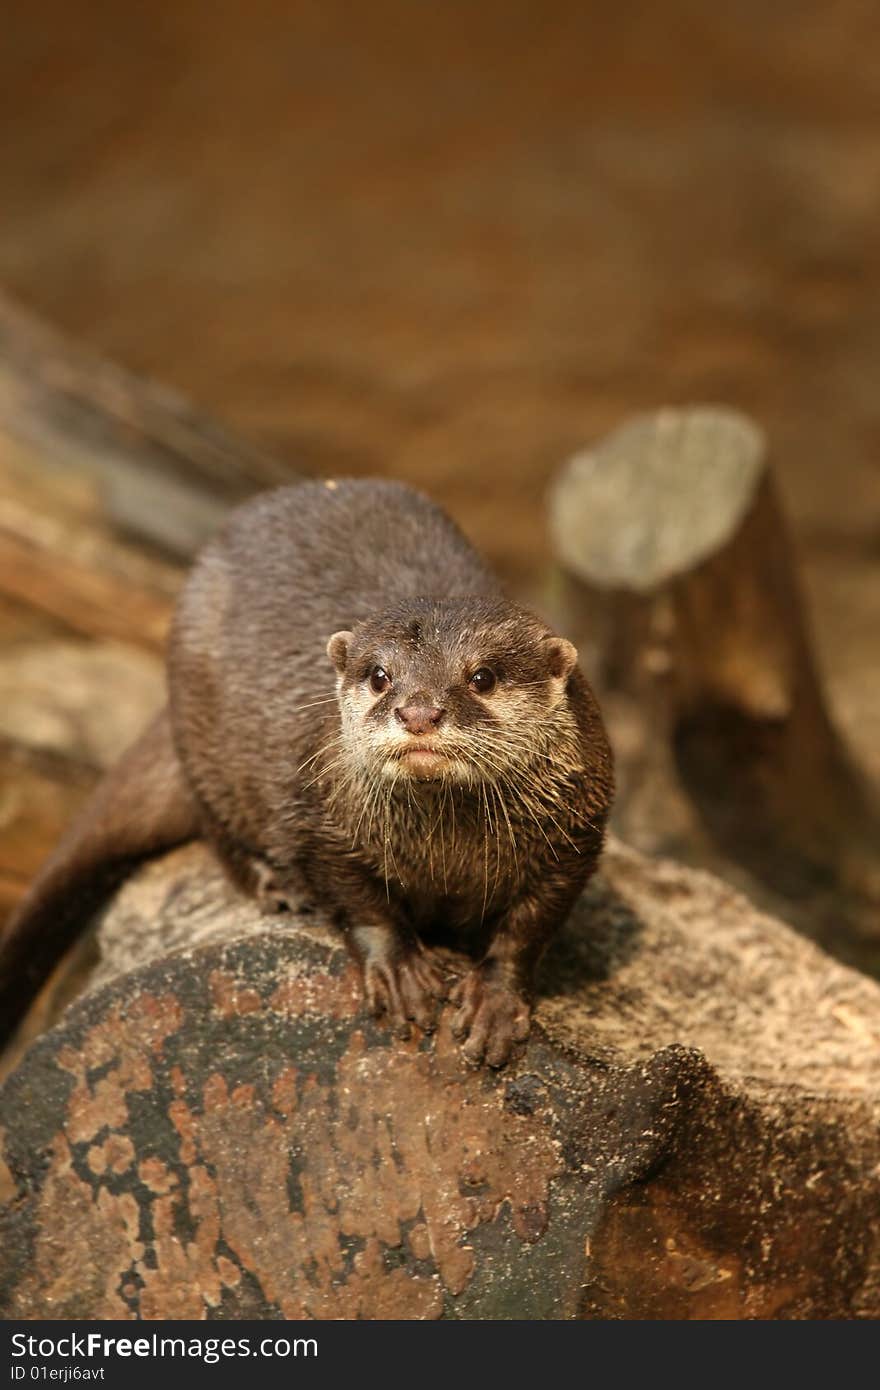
(419, 718)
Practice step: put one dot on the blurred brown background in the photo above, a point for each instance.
(454, 242)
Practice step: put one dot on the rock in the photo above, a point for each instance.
(218, 1130)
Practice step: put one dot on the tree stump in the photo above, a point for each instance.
(679, 583)
(218, 1130)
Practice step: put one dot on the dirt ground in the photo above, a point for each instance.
(455, 242)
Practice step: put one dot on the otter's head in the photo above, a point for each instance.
(449, 690)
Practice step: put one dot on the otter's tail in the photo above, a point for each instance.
(142, 807)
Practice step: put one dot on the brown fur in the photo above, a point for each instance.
(422, 808)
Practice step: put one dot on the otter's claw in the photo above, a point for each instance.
(491, 1015)
(405, 988)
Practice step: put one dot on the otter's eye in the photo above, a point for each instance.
(379, 680)
(483, 681)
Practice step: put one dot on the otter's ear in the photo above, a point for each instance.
(561, 657)
(337, 649)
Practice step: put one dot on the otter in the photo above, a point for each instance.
(357, 712)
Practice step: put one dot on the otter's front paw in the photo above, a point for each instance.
(271, 897)
(491, 1014)
(404, 987)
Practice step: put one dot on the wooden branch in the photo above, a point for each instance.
(678, 579)
(167, 474)
(220, 1131)
(96, 586)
